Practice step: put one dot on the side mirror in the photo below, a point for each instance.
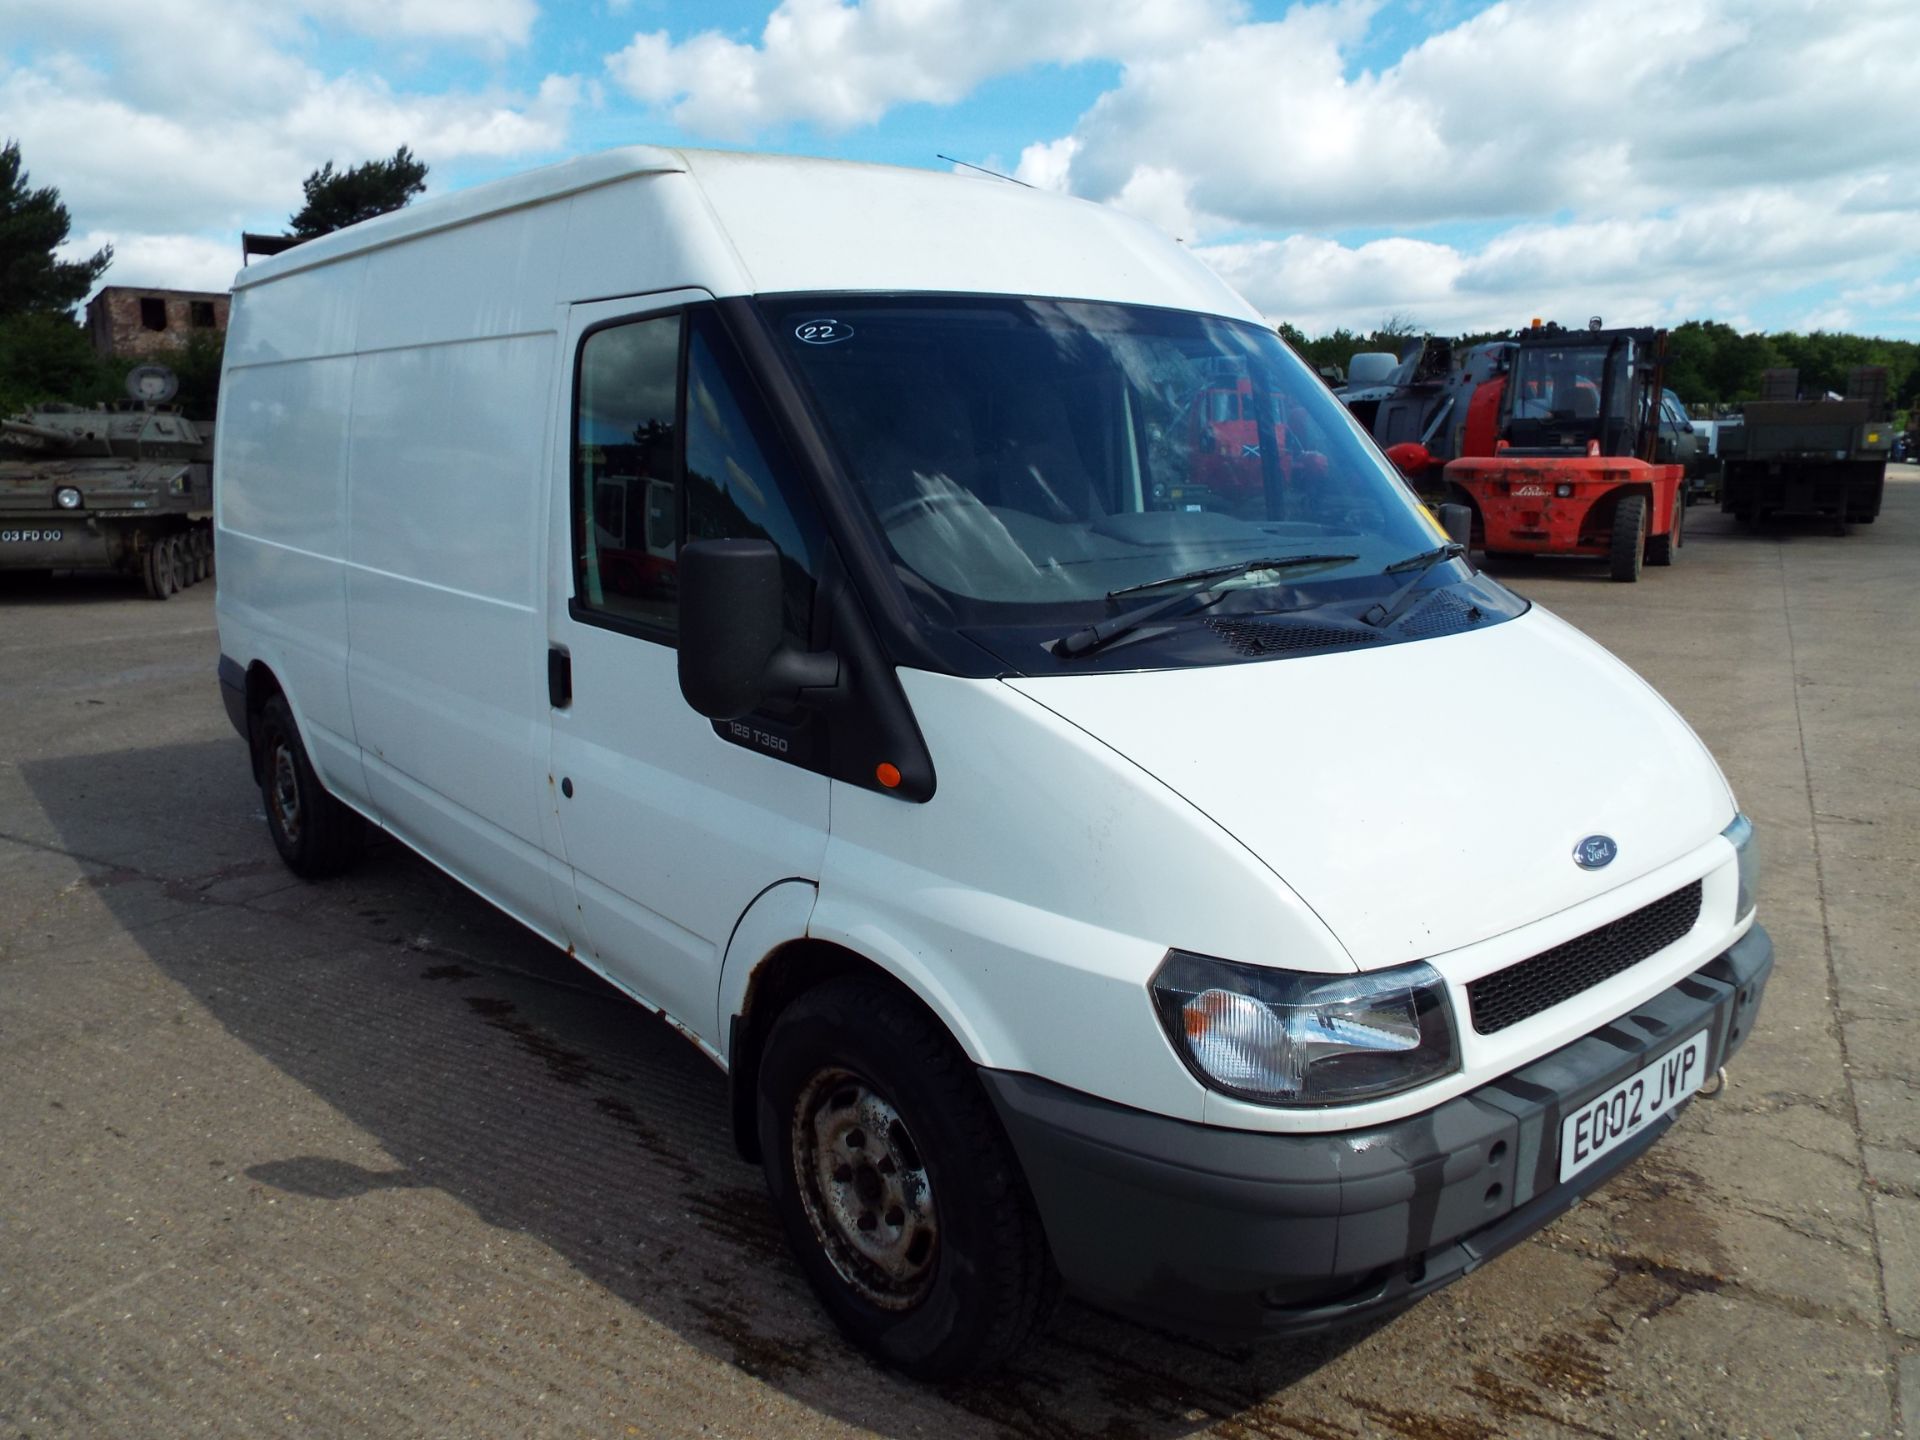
(1457, 521)
(733, 654)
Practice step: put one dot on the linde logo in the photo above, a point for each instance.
(1596, 852)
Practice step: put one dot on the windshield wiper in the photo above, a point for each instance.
(1082, 642)
(1383, 613)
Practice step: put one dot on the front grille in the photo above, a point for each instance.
(1270, 637)
(1506, 997)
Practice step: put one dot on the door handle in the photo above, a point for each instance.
(559, 678)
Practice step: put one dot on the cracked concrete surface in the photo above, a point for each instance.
(365, 1157)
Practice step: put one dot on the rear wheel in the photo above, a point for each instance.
(898, 1191)
(1628, 546)
(200, 548)
(315, 834)
(1665, 549)
(177, 558)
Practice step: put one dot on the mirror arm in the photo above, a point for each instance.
(790, 670)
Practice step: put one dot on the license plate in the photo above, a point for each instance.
(1615, 1116)
(25, 537)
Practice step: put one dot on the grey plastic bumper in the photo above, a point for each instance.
(1231, 1231)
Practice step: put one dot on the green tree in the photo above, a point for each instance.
(34, 224)
(45, 356)
(197, 364)
(338, 199)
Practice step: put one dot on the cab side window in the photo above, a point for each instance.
(659, 460)
(626, 473)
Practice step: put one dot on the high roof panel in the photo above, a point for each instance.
(549, 182)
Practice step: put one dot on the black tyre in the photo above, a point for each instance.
(1628, 545)
(315, 834)
(1665, 549)
(177, 558)
(200, 547)
(156, 573)
(896, 1186)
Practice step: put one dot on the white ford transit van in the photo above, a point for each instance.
(932, 641)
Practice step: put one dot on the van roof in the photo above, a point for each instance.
(443, 212)
(787, 223)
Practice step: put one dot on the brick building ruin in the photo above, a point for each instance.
(140, 324)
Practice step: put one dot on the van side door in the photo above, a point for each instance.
(670, 823)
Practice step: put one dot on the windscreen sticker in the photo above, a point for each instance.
(823, 332)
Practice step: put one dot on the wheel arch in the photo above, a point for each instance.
(261, 686)
(775, 979)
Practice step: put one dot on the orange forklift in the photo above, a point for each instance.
(1576, 465)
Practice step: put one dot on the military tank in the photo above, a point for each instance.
(127, 489)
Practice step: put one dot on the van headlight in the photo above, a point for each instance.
(1740, 835)
(1279, 1037)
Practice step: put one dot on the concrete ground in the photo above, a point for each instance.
(366, 1158)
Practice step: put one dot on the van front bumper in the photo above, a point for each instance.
(1232, 1231)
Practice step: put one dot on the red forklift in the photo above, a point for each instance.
(1576, 465)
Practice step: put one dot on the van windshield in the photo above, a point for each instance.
(1047, 452)
(1026, 459)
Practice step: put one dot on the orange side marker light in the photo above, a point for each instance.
(888, 775)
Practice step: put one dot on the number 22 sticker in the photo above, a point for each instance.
(822, 332)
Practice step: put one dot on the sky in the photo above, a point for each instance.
(1450, 165)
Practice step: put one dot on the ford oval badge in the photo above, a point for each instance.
(1596, 852)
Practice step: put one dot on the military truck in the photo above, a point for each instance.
(1821, 456)
(127, 489)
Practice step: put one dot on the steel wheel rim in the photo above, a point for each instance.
(286, 792)
(865, 1191)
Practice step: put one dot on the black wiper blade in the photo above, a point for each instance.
(1082, 642)
(1385, 612)
(1426, 559)
(1238, 567)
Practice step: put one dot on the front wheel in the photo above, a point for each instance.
(896, 1186)
(1665, 549)
(1627, 548)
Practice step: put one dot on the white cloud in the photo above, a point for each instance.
(1714, 259)
(501, 22)
(1530, 106)
(172, 262)
(1046, 163)
(158, 133)
(1648, 159)
(842, 63)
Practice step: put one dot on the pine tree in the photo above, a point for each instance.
(34, 224)
(342, 198)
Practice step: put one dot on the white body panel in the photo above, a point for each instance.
(393, 522)
(1403, 857)
(670, 832)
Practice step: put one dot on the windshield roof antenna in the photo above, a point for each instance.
(982, 169)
